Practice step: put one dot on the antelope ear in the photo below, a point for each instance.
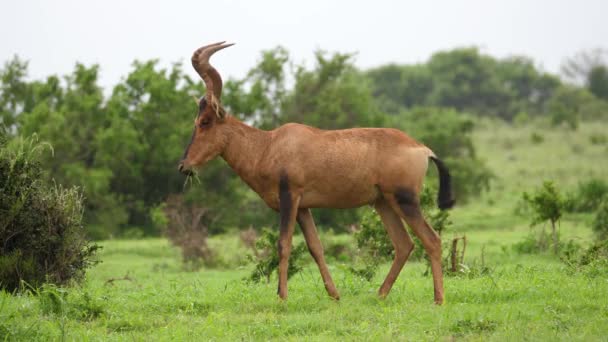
(196, 100)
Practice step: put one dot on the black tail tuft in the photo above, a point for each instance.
(445, 199)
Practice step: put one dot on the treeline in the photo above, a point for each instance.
(123, 149)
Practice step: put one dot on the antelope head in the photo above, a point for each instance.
(208, 137)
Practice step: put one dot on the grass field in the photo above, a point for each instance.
(141, 292)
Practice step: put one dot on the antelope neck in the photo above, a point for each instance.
(244, 147)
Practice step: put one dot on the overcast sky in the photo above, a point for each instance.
(53, 35)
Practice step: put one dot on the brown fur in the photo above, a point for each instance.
(348, 168)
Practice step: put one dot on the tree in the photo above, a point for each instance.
(597, 82)
(14, 93)
(547, 204)
(401, 86)
(332, 95)
(466, 80)
(260, 95)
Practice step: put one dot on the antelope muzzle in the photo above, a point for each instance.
(181, 167)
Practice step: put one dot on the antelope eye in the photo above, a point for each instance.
(205, 122)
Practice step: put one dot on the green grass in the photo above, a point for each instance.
(524, 297)
(141, 292)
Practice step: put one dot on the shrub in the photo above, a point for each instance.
(267, 259)
(186, 227)
(42, 239)
(598, 139)
(531, 244)
(593, 261)
(600, 222)
(339, 250)
(588, 196)
(536, 138)
(373, 243)
(372, 238)
(547, 204)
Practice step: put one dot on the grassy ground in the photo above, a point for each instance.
(141, 292)
(524, 297)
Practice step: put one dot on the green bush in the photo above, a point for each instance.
(42, 239)
(372, 238)
(267, 259)
(536, 138)
(531, 244)
(592, 261)
(373, 245)
(598, 139)
(588, 196)
(537, 243)
(547, 204)
(600, 222)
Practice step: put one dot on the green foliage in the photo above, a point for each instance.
(569, 105)
(372, 238)
(547, 205)
(599, 139)
(593, 261)
(536, 138)
(41, 232)
(400, 86)
(588, 196)
(521, 119)
(537, 242)
(373, 245)
(54, 301)
(259, 96)
(466, 80)
(597, 81)
(531, 244)
(600, 221)
(331, 96)
(14, 91)
(268, 259)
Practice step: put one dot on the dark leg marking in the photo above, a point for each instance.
(285, 204)
(408, 201)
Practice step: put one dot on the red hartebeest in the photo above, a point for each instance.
(296, 167)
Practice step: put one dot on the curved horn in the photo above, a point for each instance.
(212, 79)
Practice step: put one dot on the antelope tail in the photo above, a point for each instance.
(445, 198)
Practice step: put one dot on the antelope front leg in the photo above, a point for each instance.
(288, 209)
(316, 249)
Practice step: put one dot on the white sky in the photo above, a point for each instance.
(53, 35)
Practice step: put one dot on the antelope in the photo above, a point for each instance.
(295, 167)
